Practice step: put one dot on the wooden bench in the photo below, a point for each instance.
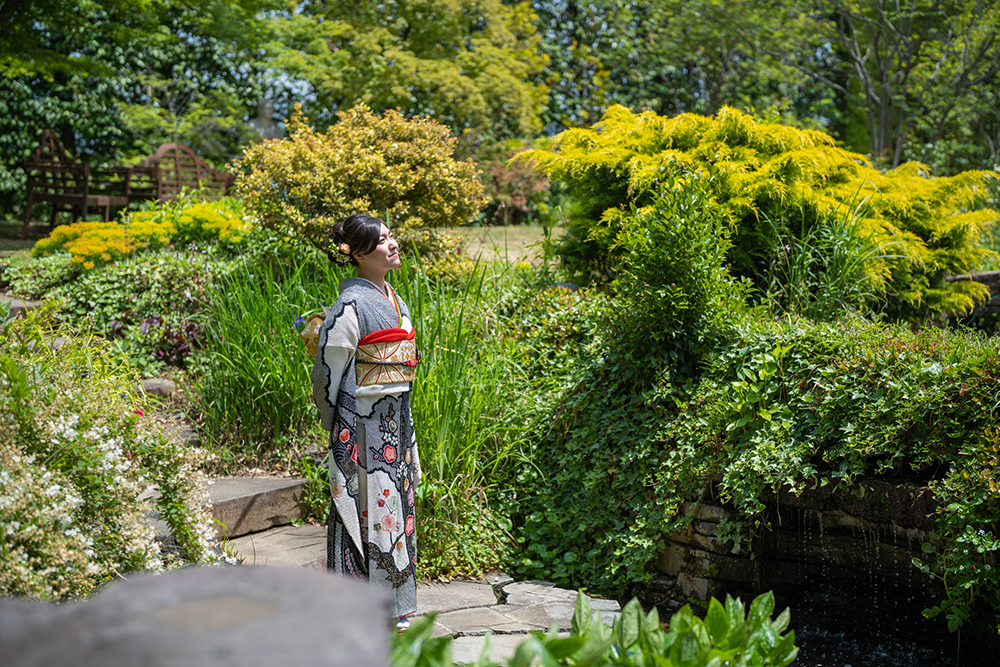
(174, 168)
(57, 177)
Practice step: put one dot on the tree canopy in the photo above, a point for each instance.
(895, 82)
(465, 63)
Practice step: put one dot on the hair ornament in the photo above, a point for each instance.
(344, 248)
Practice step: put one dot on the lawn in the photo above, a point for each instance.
(515, 243)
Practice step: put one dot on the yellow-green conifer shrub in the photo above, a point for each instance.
(390, 166)
(925, 227)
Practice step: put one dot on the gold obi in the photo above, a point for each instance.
(386, 362)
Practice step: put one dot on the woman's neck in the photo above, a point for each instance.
(377, 279)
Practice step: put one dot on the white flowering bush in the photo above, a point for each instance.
(77, 451)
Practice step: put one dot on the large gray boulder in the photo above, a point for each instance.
(231, 616)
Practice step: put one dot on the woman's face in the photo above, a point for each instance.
(384, 257)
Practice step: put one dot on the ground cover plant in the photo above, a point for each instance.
(77, 450)
(728, 635)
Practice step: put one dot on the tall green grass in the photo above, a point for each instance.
(832, 268)
(254, 387)
(465, 416)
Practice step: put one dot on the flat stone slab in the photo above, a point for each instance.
(480, 620)
(453, 596)
(521, 593)
(244, 505)
(159, 387)
(289, 546)
(225, 617)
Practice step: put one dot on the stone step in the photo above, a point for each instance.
(302, 547)
(245, 505)
(19, 306)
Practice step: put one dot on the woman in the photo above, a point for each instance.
(365, 360)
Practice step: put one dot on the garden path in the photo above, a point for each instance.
(467, 610)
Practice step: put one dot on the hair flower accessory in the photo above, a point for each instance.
(344, 248)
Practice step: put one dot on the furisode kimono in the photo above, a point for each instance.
(365, 361)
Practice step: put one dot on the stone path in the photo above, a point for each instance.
(258, 514)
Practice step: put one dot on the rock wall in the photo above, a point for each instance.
(840, 559)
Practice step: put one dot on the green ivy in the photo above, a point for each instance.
(682, 390)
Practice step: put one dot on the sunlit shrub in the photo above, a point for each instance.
(178, 223)
(93, 244)
(223, 221)
(393, 167)
(773, 182)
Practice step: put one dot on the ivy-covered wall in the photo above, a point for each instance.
(675, 381)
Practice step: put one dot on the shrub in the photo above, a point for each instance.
(93, 244)
(387, 165)
(925, 227)
(516, 192)
(770, 405)
(681, 384)
(76, 452)
(180, 223)
(151, 306)
(672, 279)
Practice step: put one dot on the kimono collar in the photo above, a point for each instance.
(390, 295)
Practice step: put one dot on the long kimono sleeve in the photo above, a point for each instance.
(338, 340)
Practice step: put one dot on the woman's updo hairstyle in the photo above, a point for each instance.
(357, 235)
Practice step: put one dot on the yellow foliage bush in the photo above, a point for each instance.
(207, 220)
(399, 169)
(925, 227)
(94, 244)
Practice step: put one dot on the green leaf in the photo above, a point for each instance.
(564, 647)
(761, 608)
(717, 622)
(630, 623)
(581, 615)
(780, 624)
